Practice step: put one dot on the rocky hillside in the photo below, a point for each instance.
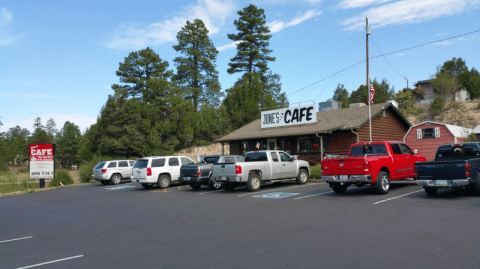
(466, 114)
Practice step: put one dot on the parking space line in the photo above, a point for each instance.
(313, 195)
(16, 239)
(395, 197)
(39, 264)
(280, 189)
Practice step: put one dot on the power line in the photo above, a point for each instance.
(409, 48)
(386, 58)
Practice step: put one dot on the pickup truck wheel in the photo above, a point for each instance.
(302, 177)
(383, 183)
(215, 185)
(229, 187)
(116, 179)
(431, 191)
(195, 186)
(105, 182)
(337, 188)
(147, 186)
(163, 181)
(254, 182)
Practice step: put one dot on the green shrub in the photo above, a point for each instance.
(23, 170)
(63, 176)
(315, 171)
(436, 107)
(456, 105)
(86, 169)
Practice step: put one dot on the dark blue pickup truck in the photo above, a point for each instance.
(455, 166)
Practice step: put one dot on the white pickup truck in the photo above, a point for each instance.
(261, 166)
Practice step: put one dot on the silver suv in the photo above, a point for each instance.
(113, 171)
(160, 170)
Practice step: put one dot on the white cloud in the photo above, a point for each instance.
(360, 3)
(408, 11)
(229, 46)
(83, 121)
(274, 2)
(277, 26)
(135, 36)
(6, 19)
(401, 55)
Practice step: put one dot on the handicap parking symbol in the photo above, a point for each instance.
(120, 187)
(275, 195)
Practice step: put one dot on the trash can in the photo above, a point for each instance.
(42, 183)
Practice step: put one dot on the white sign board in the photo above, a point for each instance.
(42, 161)
(289, 116)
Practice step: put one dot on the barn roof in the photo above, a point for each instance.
(476, 130)
(327, 121)
(456, 131)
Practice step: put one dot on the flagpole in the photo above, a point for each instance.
(368, 84)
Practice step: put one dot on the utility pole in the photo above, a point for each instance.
(368, 31)
(407, 81)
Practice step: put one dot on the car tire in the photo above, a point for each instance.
(105, 182)
(302, 176)
(339, 189)
(254, 182)
(164, 181)
(476, 188)
(147, 186)
(383, 183)
(229, 187)
(116, 179)
(215, 185)
(195, 186)
(431, 191)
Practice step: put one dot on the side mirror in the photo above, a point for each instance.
(415, 151)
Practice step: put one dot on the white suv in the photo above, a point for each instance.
(113, 171)
(160, 170)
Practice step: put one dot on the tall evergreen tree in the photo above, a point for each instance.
(341, 95)
(137, 70)
(196, 68)
(253, 41)
(68, 144)
(383, 93)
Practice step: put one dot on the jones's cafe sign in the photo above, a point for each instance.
(42, 161)
(289, 116)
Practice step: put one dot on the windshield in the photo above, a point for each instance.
(376, 149)
(99, 165)
(211, 159)
(141, 164)
(458, 151)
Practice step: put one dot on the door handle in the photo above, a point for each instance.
(396, 159)
(284, 165)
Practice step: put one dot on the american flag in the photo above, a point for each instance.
(258, 145)
(372, 93)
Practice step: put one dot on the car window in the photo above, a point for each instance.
(186, 161)
(173, 162)
(240, 158)
(211, 159)
(274, 156)
(375, 149)
(122, 164)
(285, 157)
(131, 163)
(99, 165)
(112, 164)
(158, 162)
(256, 157)
(405, 149)
(458, 151)
(141, 164)
(229, 159)
(396, 149)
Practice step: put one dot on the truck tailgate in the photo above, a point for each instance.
(343, 166)
(223, 169)
(440, 170)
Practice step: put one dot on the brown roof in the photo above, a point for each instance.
(327, 121)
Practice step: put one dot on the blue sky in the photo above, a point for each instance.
(58, 58)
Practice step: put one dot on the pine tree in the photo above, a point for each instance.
(196, 68)
(341, 95)
(68, 144)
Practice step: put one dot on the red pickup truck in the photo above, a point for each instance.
(374, 163)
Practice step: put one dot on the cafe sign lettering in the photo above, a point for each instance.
(289, 116)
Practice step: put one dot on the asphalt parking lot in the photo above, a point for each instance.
(285, 226)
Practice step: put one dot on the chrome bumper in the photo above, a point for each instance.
(444, 183)
(350, 179)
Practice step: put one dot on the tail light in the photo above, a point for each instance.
(238, 169)
(298, 157)
(149, 171)
(366, 166)
(468, 169)
(104, 171)
(199, 172)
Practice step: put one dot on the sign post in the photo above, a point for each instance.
(42, 162)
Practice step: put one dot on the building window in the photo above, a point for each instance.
(308, 144)
(428, 133)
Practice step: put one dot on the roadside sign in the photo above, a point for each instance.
(275, 195)
(42, 161)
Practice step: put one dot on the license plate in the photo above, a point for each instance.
(343, 177)
(187, 179)
(442, 182)
(224, 178)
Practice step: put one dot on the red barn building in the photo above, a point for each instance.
(427, 136)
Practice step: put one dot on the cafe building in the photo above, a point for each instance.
(312, 135)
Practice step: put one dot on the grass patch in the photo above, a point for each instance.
(23, 170)
(10, 182)
(315, 171)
